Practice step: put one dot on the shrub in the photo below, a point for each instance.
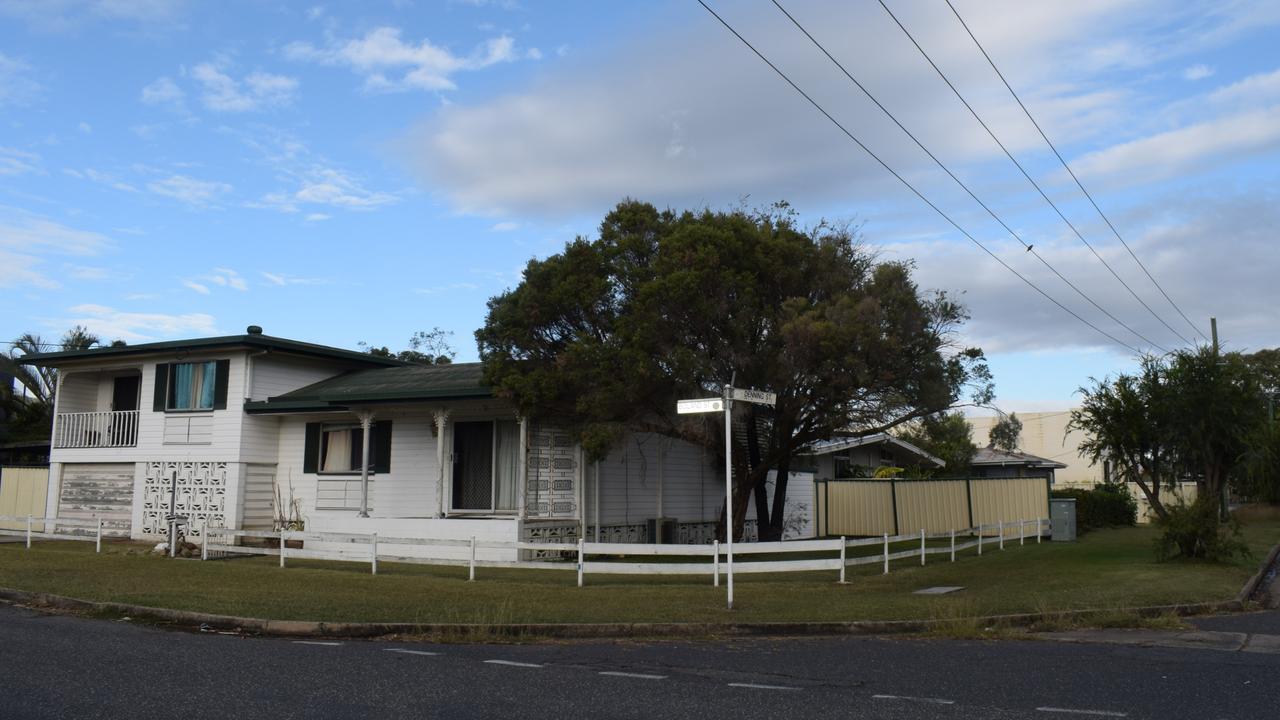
(1105, 505)
(1193, 531)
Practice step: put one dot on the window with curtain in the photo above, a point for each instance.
(191, 385)
(341, 448)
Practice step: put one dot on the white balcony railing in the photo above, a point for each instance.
(96, 429)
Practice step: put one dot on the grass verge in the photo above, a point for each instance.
(1106, 570)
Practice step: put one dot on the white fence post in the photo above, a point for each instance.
(204, 541)
(922, 547)
(953, 544)
(1022, 532)
(471, 566)
(886, 553)
(842, 552)
(28, 532)
(97, 541)
(1000, 525)
(715, 562)
(282, 542)
(1039, 529)
(373, 554)
(579, 562)
(979, 540)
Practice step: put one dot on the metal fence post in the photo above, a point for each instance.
(922, 547)
(28, 532)
(282, 542)
(471, 566)
(715, 563)
(97, 542)
(953, 544)
(579, 562)
(886, 553)
(842, 554)
(1000, 526)
(373, 554)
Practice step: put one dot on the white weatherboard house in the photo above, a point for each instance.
(246, 429)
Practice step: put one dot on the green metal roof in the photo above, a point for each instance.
(413, 382)
(254, 340)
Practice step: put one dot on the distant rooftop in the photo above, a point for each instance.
(991, 456)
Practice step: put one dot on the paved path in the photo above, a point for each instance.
(55, 667)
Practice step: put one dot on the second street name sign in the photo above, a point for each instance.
(759, 397)
(705, 405)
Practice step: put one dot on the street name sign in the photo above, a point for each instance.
(703, 405)
(760, 397)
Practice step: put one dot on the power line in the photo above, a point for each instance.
(1024, 172)
(909, 186)
(1071, 172)
(1029, 248)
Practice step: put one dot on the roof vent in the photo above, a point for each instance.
(254, 329)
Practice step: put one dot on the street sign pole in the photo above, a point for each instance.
(728, 485)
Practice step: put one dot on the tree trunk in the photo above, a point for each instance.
(759, 491)
(777, 526)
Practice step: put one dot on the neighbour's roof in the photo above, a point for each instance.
(413, 382)
(826, 447)
(989, 456)
(248, 340)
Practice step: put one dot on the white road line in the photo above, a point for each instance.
(411, 652)
(512, 663)
(1103, 713)
(316, 642)
(756, 686)
(642, 676)
(936, 701)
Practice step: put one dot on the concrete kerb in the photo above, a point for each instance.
(565, 631)
(582, 631)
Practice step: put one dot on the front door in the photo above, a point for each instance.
(124, 398)
(473, 466)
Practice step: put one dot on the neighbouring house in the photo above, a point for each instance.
(989, 462)
(254, 432)
(862, 456)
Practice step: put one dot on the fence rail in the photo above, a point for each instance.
(93, 524)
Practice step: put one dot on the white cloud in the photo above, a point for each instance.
(1192, 147)
(256, 91)
(283, 280)
(97, 274)
(107, 322)
(388, 63)
(505, 226)
(226, 277)
(320, 185)
(317, 217)
(188, 190)
(16, 162)
(1197, 72)
(16, 84)
(20, 271)
(163, 91)
(202, 289)
(33, 234)
(102, 178)
(72, 15)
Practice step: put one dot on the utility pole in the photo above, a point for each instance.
(1213, 330)
(1222, 493)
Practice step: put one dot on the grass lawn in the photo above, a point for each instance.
(1107, 569)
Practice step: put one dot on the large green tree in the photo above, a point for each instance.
(1006, 433)
(1189, 414)
(608, 334)
(947, 436)
(29, 410)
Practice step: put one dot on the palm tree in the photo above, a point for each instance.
(32, 412)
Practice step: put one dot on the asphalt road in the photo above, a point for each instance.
(66, 667)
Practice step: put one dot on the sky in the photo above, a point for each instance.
(352, 172)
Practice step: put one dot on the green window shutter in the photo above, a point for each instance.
(357, 448)
(220, 378)
(311, 448)
(381, 450)
(162, 387)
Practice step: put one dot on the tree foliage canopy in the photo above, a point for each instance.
(947, 436)
(1006, 434)
(609, 333)
(29, 414)
(426, 347)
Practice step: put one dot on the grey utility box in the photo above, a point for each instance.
(1062, 512)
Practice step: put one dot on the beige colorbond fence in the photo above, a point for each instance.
(22, 493)
(861, 508)
(1186, 492)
